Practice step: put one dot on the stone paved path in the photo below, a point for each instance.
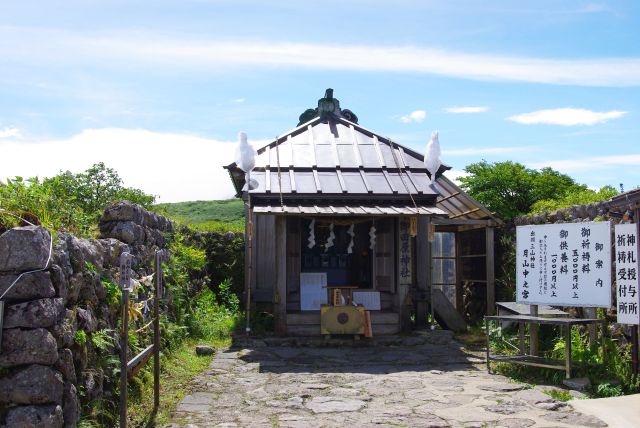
(415, 383)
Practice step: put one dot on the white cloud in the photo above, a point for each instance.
(177, 167)
(566, 117)
(588, 164)
(10, 132)
(454, 174)
(195, 53)
(238, 100)
(479, 109)
(482, 151)
(414, 116)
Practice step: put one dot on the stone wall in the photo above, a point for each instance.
(46, 372)
(574, 214)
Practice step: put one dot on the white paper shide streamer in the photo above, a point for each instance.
(352, 234)
(331, 238)
(432, 156)
(372, 237)
(245, 156)
(312, 234)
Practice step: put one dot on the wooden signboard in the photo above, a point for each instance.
(566, 264)
(626, 274)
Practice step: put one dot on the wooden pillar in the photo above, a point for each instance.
(491, 275)
(459, 282)
(247, 257)
(533, 331)
(423, 270)
(280, 289)
(593, 333)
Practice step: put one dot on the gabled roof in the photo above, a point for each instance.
(330, 157)
(337, 157)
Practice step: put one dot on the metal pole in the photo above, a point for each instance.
(156, 333)
(567, 350)
(123, 358)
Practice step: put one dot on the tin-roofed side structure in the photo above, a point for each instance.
(320, 191)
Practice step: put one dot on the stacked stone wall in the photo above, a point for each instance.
(45, 373)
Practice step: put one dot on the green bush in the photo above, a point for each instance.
(66, 202)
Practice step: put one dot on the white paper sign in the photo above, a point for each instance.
(626, 257)
(313, 292)
(567, 264)
(369, 299)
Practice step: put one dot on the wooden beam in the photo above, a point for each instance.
(452, 221)
(453, 195)
(138, 362)
(423, 270)
(280, 289)
(466, 212)
(491, 276)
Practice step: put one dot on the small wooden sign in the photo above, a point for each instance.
(125, 271)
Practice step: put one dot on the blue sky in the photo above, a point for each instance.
(159, 89)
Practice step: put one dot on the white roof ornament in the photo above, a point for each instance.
(246, 159)
(432, 156)
(245, 154)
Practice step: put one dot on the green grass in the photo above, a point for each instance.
(208, 216)
(177, 371)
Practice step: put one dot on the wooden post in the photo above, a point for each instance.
(248, 260)
(593, 333)
(423, 270)
(125, 285)
(123, 358)
(533, 331)
(1, 318)
(491, 276)
(156, 332)
(567, 350)
(280, 292)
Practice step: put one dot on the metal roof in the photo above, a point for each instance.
(331, 165)
(349, 209)
(336, 157)
(458, 204)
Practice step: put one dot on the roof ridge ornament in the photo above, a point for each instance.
(328, 108)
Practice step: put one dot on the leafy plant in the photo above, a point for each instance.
(559, 394)
(608, 390)
(114, 294)
(103, 340)
(80, 338)
(90, 267)
(66, 202)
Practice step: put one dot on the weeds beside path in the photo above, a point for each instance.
(175, 383)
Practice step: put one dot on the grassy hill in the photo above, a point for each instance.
(211, 216)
